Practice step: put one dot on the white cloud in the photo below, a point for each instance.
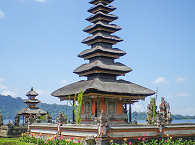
(180, 79)
(40, 1)
(182, 94)
(160, 80)
(43, 92)
(2, 14)
(45, 97)
(8, 93)
(4, 89)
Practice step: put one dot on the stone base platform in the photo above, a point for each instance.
(114, 132)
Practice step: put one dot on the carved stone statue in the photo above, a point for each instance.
(9, 124)
(31, 119)
(102, 125)
(149, 113)
(151, 108)
(61, 119)
(17, 120)
(1, 119)
(48, 118)
(161, 117)
(165, 111)
(38, 118)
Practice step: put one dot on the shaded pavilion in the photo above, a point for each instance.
(31, 110)
(103, 92)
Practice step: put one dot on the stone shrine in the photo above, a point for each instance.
(31, 111)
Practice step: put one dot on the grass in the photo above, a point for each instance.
(12, 141)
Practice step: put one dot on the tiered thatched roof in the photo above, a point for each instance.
(102, 70)
(115, 87)
(101, 7)
(31, 104)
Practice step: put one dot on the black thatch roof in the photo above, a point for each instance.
(101, 17)
(97, 36)
(115, 86)
(105, 2)
(119, 67)
(32, 93)
(101, 7)
(113, 27)
(31, 111)
(101, 49)
(105, 82)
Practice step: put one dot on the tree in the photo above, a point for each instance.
(77, 106)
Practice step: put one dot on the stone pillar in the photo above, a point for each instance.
(73, 117)
(130, 118)
(119, 106)
(93, 106)
(103, 105)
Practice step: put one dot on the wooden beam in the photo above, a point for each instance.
(136, 98)
(125, 98)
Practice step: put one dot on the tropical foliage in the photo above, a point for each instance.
(50, 140)
(60, 140)
(77, 106)
(164, 141)
(12, 141)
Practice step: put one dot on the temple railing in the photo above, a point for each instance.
(115, 131)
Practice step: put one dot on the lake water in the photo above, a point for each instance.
(174, 121)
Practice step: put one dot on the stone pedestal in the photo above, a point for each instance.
(102, 141)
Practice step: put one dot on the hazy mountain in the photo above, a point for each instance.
(9, 107)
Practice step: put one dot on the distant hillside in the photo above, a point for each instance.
(10, 106)
(142, 116)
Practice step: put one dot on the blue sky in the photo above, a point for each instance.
(40, 40)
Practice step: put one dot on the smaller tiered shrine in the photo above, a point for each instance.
(31, 111)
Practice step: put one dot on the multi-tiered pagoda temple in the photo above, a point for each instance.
(103, 92)
(31, 110)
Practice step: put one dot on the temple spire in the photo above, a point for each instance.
(31, 108)
(102, 55)
(102, 69)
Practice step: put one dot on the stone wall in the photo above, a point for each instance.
(6, 131)
(114, 132)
